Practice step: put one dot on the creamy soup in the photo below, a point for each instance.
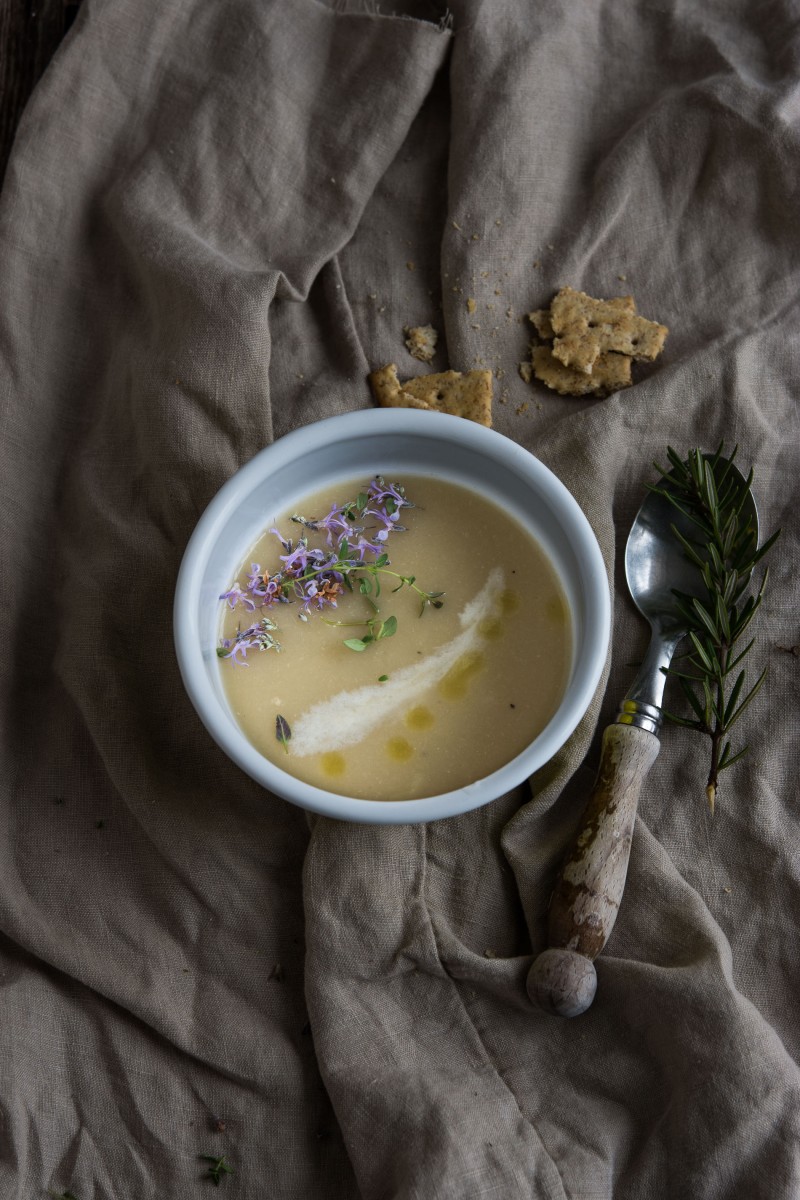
(448, 656)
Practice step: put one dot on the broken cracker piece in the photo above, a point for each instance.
(585, 328)
(540, 319)
(387, 391)
(611, 373)
(541, 323)
(421, 341)
(466, 395)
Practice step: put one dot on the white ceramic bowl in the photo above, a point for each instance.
(393, 443)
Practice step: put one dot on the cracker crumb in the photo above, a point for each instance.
(411, 266)
(536, 264)
(456, 225)
(526, 371)
(472, 304)
(476, 237)
(421, 341)
(521, 408)
(622, 278)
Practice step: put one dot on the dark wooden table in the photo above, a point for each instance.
(30, 31)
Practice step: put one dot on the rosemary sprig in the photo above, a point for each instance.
(719, 504)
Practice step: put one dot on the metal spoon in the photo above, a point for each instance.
(587, 895)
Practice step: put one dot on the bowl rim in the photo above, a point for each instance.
(293, 446)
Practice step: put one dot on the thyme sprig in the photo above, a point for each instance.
(718, 502)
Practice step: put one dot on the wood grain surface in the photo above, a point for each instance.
(30, 32)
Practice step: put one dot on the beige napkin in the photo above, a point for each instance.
(216, 220)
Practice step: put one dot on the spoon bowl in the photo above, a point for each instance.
(655, 564)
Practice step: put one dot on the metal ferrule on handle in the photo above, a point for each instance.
(642, 715)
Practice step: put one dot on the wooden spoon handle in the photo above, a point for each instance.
(587, 895)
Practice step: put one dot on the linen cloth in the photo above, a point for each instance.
(216, 220)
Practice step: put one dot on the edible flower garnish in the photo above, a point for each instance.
(356, 534)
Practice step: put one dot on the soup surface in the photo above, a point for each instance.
(444, 690)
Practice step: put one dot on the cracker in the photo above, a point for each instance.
(586, 328)
(540, 319)
(611, 373)
(468, 395)
(421, 341)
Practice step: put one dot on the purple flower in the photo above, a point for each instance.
(256, 637)
(237, 596)
(380, 492)
(266, 590)
(336, 526)
(363, 547)
(321, 592)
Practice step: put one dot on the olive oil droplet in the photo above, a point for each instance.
(509, 600)
(419, 717)
(399, 749)
(455, 683)
(490, 628)
(333, 764)
(555, 611)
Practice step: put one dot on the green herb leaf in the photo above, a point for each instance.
(282, 731)
(218, 1169)
(358, 644)
(382, 678)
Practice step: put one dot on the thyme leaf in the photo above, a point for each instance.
(282, 731)
(218, 1168)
